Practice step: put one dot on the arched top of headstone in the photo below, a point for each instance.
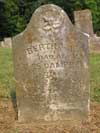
(47, 18)
(48, 14)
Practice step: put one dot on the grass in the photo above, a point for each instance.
(6, 72)
(95, 77)
(7, 77)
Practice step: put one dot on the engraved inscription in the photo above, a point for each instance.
(41, 47)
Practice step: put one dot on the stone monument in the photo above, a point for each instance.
(51, 68)
(2, 44)
(8, 42)
(83, 21)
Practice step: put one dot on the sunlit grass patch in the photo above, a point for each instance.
(6, 72)
(95, 76)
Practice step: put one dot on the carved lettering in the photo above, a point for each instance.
(41, 47)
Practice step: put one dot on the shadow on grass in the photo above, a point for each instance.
(14, 101)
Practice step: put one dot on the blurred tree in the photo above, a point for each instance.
(97, 25)
(2, 20)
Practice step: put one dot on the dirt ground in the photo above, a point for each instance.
(9, 124)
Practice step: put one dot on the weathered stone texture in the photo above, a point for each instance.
(83, 21)
(8, 42)
(2, 44)
(95, 44)
(51, 68)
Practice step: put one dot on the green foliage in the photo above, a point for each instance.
(97, 25)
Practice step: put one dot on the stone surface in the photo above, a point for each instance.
(51, 68)
(7, 42)
(83, 21)
(95, 44)
(2, 44)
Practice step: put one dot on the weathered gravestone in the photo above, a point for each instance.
(83, 21)
(51, 68)
(7, 42)
(95, 44)
(2, 44)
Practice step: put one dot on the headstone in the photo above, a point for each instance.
(7, 42)
(51, 68)
(83, 21)
(95, 44)
(2, 44)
